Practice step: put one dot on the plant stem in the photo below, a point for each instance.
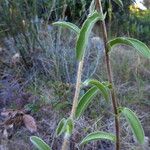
(66, 143)
(110, 18)
(110, 77)
(77, 89)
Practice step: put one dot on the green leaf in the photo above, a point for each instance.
(65, 125)
(61, 127)
(98, 136)
(107, 84)
(101, 86)
(85, 100)
(85, 33)
(135, 124)
(67, 25)
(138, 45)
(118, 2)
(69, 126)
(39, 143)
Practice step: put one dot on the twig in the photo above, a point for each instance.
(110, 77)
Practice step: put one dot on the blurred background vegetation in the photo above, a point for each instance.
(18, 16)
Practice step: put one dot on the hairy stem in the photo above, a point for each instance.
(77, 89)
(66, 143)
(110, 77)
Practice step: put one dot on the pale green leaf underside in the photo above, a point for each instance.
(138, 45)
(118, 2)
(85, 101)
(85, 33)
(61, 127)
(39, 143)
(69, 126)
(135, 124)
(102, 88)
(99, 135)
(67, 25)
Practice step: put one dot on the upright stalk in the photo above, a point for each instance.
(110, 77)
(110, 18)
(66, 143)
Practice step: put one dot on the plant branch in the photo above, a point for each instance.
(65, 145)
(110, 77)
(77, 92)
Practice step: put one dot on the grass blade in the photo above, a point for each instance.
(135, 124)
(99, 135)
(68, 25)
(39, 143)
(138, 45)
(85, 32)
(85, 101)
